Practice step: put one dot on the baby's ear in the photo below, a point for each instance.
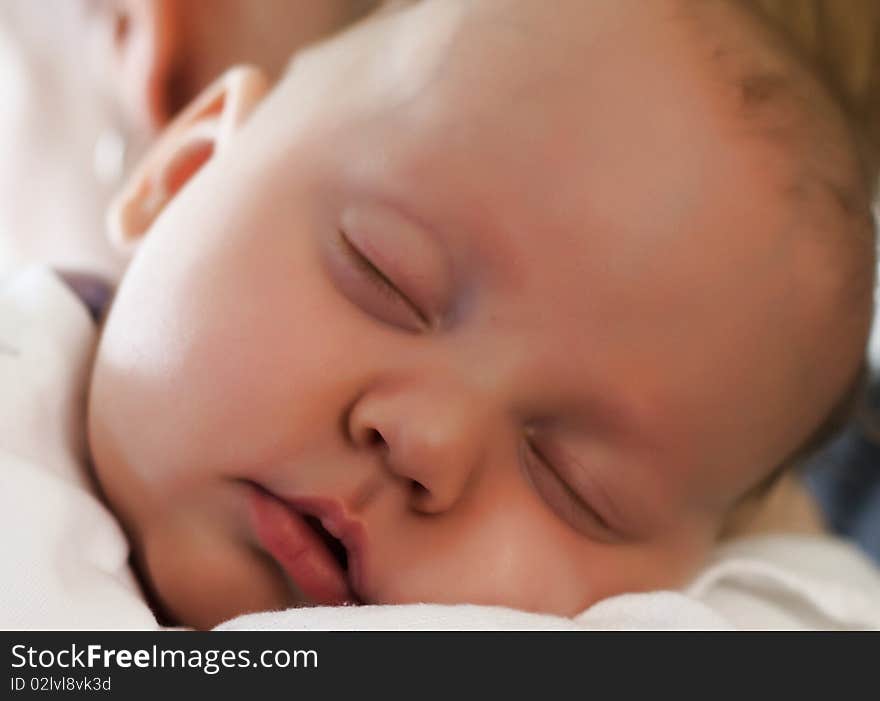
(188, 142)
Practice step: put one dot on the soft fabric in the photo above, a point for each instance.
(65, 558)
(651, 611)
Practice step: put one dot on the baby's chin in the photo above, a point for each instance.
(199, 582)
(204, 610)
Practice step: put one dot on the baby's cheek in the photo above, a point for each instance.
(202, 577)
(507, 552)
(527, 559)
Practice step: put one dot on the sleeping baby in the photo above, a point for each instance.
(487, 302)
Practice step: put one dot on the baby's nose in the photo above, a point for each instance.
(431, 437)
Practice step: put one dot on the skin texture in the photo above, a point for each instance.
(549, 186)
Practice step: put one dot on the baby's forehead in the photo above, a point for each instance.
(523, 112)
(590, 120)
(534, 86)
(565, 116)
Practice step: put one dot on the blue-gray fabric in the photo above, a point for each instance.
(845, 479)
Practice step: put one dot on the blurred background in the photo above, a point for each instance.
(85, 85)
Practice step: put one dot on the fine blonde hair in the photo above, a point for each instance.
(840, 41)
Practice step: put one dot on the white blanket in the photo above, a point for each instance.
(65, 565)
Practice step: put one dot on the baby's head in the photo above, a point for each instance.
(520, 298)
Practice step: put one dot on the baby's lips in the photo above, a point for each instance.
(299, 551)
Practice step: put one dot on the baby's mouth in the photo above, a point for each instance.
(333, 544)
(299, 538)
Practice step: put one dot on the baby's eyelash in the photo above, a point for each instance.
(377, 278)
(574, 500)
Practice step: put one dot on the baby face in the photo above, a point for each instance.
(486, 289)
